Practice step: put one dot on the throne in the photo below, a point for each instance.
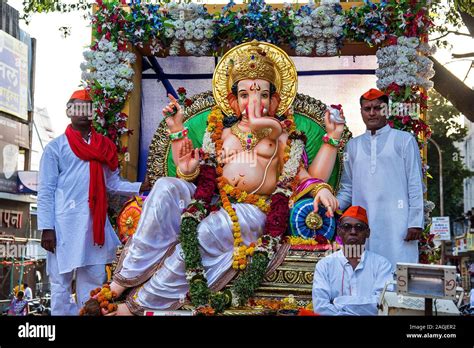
(291, 271)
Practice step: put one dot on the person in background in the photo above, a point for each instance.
(19, 305)
(349, 281)
(28, 292)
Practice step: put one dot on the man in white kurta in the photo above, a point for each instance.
(383, 174)
(63, 207)
(349, 281)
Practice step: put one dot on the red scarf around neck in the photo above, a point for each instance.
(101, 150)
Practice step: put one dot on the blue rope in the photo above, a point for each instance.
(161, 76)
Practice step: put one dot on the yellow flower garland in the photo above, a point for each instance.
(215, 127)
(241, 251)
(240, 196)
(301, 241)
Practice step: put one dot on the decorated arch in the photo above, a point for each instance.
(127, 36)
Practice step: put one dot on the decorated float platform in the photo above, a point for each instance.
(129, 39)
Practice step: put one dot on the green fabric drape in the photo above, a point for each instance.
(314, 132)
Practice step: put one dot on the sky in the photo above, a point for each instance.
(58, 60)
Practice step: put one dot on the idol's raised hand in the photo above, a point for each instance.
(175, 120)
(327, 199)
(188, 158)
(333, 129)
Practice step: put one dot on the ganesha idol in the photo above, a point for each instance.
(214, 223)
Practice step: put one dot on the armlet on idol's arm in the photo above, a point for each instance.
(310, 186)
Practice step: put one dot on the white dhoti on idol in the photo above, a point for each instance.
(153, 259)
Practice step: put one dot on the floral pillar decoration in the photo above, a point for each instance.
(401, 28)
(107, 72)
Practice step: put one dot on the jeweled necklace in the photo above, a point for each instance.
(249, 140)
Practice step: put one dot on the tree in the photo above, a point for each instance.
(452, 16)
(446, 131)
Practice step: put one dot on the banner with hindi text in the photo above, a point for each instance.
(13, 76)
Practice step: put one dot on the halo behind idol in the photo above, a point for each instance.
(255, 60)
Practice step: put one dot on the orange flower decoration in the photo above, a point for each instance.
(128, 218)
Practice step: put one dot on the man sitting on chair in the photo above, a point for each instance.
(349, 281)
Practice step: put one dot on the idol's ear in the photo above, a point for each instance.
(274, 104)
(234, 104)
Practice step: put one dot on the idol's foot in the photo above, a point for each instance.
(117, 289)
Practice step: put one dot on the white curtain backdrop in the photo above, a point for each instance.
(329, 88)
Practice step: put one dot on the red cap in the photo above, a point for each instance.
(373, 94)
(81, 94)
(356, 212)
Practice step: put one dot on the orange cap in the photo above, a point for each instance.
(373, 94)
(81, 94)
(356, 212)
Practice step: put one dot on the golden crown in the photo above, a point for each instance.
(252, 64)
(255, 60)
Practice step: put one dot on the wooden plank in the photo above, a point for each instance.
(350, 48)
(133, 109)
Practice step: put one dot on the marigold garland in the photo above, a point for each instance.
(261, 201)
(101, 302)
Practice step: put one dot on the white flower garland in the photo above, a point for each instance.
(319, 30)
(208, 145)
(405, 64)
(195, 272)
(291, 167)
(428, 207)
(270, 248)
(190, 30)
(108, 67)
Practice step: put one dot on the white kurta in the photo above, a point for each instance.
(338, 289)
(63, 205)
(382, 173)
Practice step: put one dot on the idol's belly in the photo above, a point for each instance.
(248, 175)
